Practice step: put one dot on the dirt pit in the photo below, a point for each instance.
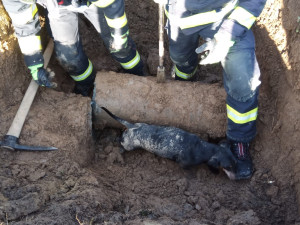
(91, 181)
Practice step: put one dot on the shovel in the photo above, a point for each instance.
(11, 139)
(161, 76)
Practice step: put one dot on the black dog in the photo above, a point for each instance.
(173, 143)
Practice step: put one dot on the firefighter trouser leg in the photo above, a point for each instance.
(68, 47)
(241, 76)
(182, 52)
(128, 56)
(241, 81)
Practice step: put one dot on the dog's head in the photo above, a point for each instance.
(225, 160)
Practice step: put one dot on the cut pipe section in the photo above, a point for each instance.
(193, 106)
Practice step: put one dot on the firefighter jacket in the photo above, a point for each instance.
(193, 15)
(25, 19)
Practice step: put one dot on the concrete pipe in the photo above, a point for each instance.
(193, 106)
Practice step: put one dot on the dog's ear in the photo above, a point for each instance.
(214, 165)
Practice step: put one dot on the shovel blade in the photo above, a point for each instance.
(11, 143)
(161, 75)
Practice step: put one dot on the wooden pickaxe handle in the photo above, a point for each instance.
(18, 122)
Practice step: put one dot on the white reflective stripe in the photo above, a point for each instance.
(103, 3)
(118, 22)
(243, 17)
(184, 75)
(203, 18)
(86, 73)
(30, 45)
(24, 16)
(132, 63)
(241, 118)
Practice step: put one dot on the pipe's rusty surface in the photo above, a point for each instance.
(192, 106)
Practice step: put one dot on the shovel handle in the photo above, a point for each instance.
(18, 122)
(161, 76)
(161, 10)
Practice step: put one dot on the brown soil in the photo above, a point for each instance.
(89, 180)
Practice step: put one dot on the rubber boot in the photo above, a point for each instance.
(244, 168)
(85, 87)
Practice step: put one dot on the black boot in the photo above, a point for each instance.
(192, 79)
(138, 70)
(85, 87)
(244, 168)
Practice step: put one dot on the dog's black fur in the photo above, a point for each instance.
(176, 144)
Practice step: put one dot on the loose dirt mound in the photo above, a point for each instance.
(89, 180)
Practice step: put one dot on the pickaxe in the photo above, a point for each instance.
(11, 139)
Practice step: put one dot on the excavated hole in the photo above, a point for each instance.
(97, 183)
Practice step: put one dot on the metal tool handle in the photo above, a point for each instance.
(161, 34)
(161, 76)
(18, 122)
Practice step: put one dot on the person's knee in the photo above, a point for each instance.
(184, 60)
(128, 49)
(71, 57)
(241, 74)
(242, 90)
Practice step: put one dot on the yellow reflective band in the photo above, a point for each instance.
(167, 13)
(118, 22)
(184, 75)
(103, 3)
(241, 118)
(243, 17)
(25, 15)
(199, 19)
(132, 63)
(34, 10)
(202, 18)
(30, 45)
(127, 33)
(86, 73)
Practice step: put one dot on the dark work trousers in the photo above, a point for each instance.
(68, 47)
(241, 75)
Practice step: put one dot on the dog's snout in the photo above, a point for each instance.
(230, 174)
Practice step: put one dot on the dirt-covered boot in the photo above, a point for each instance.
(193, 78)
(138, 70)
(85, 87)
(244, 168)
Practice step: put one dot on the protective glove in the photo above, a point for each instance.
(42, 77)
(217, 48)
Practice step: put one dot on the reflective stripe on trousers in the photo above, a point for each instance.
(202, 18)
(241, 76)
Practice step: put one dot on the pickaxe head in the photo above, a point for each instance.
(11, 142)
